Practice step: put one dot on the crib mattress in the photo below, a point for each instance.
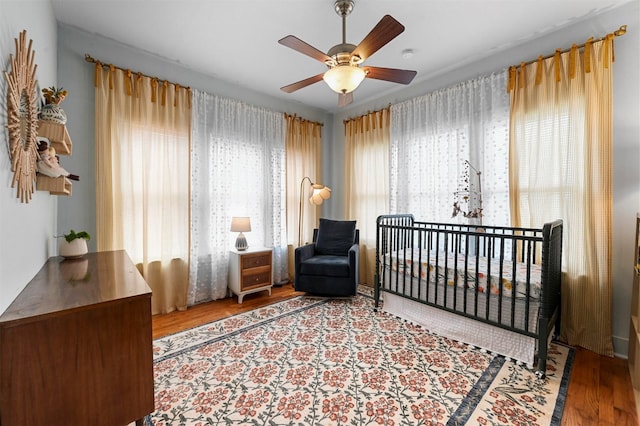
(487, 275)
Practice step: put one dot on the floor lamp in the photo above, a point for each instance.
(319, 194)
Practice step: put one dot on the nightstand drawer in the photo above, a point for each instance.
(254, 279)
(253, 261)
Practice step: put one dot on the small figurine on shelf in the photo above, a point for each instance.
(52, 111)
(49, 164)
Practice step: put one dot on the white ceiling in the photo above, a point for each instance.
(236, 40)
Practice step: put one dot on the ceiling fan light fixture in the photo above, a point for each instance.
(344, 78)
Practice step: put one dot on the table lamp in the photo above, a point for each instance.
(241, 224)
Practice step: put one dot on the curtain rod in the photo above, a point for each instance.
(89, 58)
(364, 115)
(617, 33)
(295, 117)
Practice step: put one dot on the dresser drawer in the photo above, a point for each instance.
(254, 261)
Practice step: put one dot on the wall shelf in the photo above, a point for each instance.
(56, 186)
(57, 135)
(61, 141)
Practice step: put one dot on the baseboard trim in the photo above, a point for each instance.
(621, 347)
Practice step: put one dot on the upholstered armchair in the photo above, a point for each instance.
(329, 265)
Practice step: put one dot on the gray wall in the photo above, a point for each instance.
(26, 230)
(626, 133)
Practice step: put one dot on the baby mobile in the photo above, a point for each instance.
(467, 194)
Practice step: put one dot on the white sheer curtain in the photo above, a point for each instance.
(433, 135)
(237, 169)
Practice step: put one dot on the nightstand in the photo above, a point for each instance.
(250, 271)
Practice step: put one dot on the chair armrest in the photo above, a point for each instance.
(304, 252)
(301, 254)
(354, 262)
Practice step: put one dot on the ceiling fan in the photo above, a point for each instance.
(344, 59)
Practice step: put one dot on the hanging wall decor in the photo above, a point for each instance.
(22, 109)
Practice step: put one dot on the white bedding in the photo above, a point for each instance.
(453, 326)
(486, 275)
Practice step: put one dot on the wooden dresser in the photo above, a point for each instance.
(76, 345)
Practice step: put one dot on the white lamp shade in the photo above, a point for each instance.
(344, 78)
(320, 193)
(240, 224)
(325, 193)
(316, 198)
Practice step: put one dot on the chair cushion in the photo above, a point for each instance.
(335, 237)
(326, 265)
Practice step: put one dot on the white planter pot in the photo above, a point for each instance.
(75, 248)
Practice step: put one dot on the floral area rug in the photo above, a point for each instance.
(309, 361)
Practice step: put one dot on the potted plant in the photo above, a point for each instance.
(74, 244)
(52, 111)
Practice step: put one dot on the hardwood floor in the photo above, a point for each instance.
(600, 390)
(211, 311)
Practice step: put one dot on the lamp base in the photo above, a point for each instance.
(241, 242)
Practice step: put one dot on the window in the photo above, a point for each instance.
(433, 136)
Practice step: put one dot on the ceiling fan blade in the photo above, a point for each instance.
(306, 49)
(385, 31)
(302, 83)
(390, 74)
(345, 99)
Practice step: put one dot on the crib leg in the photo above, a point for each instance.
(543, 346)
(541, 365)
